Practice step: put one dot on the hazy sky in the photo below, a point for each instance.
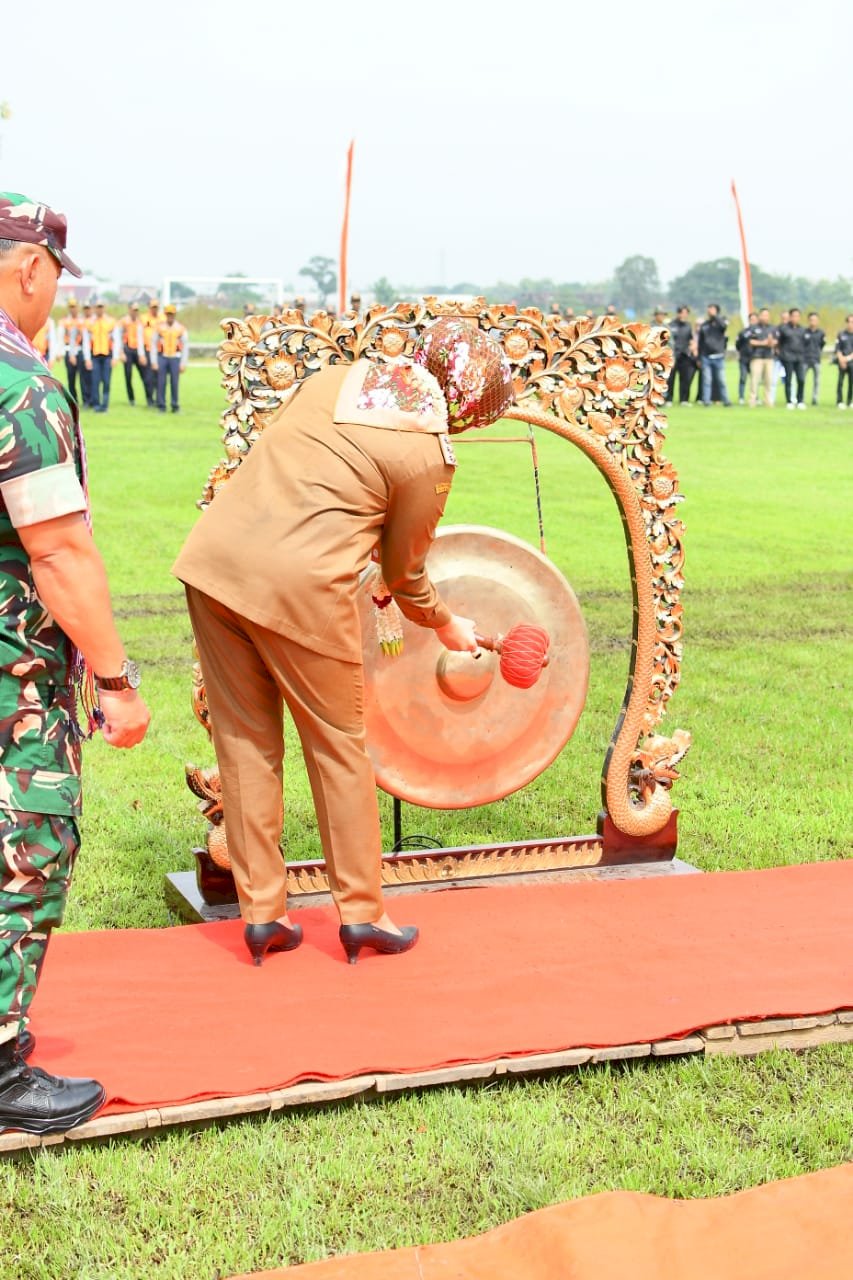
(492, 139)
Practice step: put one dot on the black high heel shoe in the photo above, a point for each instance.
(355, 936)
(261, 938)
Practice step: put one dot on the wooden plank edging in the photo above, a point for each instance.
(742, 1039)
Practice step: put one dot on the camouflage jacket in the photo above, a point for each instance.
(39, 743)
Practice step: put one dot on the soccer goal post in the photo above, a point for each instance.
(223, 291)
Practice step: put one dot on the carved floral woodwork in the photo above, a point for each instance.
(598, 383)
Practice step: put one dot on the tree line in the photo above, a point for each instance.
(636, 286)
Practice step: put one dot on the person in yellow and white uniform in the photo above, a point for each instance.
(101, 352)
(70, 345)
(150, 321)
(133, 350)
(87, 320)
(170, 352)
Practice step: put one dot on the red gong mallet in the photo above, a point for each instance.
(523, 653)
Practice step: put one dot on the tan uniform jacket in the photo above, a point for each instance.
(284, 540)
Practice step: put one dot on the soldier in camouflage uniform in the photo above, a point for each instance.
(56, 617)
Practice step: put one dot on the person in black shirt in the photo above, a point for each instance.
(814, 339)
(744, 353)
(844, 360)
(712, 356)
(684, 362)
(762, 341)
(792, 353)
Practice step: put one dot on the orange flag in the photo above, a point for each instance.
(342, 266)
(744, 275)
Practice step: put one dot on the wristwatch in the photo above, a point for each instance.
(128, 678)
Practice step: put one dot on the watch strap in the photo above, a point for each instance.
(128, 678)
(112, 683)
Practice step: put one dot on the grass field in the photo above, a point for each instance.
(765, 694)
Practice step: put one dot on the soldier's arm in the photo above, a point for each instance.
(46, 505)
(71, 582)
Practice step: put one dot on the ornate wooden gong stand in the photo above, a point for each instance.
(598, 384)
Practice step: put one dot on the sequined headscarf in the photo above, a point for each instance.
(471, 369)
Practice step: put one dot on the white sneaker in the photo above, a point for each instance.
(840, 405)
(790, 405)
(801, 405)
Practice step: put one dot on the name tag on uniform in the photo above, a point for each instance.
(447, 450)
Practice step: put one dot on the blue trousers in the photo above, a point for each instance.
(743, 378)
(168, 367)
(102, 372)
(714, 371)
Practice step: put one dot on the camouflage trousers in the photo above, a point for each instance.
(37, 853)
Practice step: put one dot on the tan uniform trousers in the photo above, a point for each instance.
(761, 371)
(249, 672)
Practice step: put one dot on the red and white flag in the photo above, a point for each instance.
(744, 276)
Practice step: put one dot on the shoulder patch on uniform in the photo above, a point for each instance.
(444, 487)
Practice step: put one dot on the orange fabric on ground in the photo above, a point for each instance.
(168, 1015)
(799, 1229)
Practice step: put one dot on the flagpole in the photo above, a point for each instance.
(342, 264)
(744, 275)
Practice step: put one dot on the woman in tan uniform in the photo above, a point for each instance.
(358, 458)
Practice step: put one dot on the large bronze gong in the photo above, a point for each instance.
(444, 730)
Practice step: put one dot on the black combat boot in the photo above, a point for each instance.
(26, 1044)
(36, 1102)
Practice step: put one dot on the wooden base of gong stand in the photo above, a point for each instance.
(209, 894)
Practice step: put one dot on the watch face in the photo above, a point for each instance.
(132, 673)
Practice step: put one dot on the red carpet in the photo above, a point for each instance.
(169, 1015)
(798, 1229)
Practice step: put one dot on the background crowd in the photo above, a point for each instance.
(770, 355)
(778, 362)
(152, 347)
